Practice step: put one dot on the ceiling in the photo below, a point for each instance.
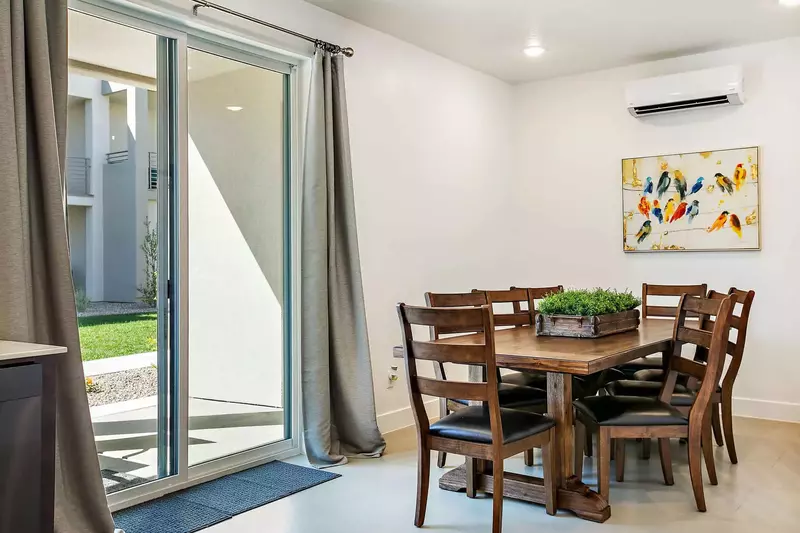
(579, 35)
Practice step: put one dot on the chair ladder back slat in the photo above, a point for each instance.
(667, 290)
(452, 389)
(449, 353)
(518, 317)
(698, 337)
(463, 299)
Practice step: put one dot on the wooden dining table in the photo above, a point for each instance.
(561, 358)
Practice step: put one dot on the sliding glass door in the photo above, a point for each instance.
(118, 136)
(239, 251)
(180, 210)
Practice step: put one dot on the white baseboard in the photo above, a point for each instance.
(401, 418)
(782, 411)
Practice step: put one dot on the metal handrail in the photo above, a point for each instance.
(152, 171)
(116, 157)
(78, 176)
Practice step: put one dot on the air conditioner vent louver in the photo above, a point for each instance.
(698, 89)
(683, 104)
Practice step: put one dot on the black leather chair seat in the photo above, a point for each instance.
(643, 363)
(472, 424)
(658, 375)
(628, 411)
(681, 396)
(515, 396)
(581, 386)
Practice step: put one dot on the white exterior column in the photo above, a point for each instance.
(139, 127)
(97, 146)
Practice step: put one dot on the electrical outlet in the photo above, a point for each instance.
(393, 377)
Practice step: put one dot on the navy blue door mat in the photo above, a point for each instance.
(213, 502)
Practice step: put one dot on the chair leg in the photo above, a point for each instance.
(497, 496)
(620, 459)
(646, 448)
(715, 424)
(588, 445)
(423, 479)
(666, 461)
(695, 468)
(580, 432)
(603, 461)
(441, 457)
(472, 477)
(549, 467)
(708, 451)
(727, 424)
(529, 457)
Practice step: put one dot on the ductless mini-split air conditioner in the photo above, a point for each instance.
(713, 87)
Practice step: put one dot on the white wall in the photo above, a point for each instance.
(570, 135)
(76, 128)
(236, 209)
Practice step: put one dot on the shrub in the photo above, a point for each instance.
(149, 289)
(588, 302)
(81, 300)
(91, 386)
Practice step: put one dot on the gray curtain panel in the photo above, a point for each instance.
(338, 398)
(37, 303)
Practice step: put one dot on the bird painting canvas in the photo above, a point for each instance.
(700, 201)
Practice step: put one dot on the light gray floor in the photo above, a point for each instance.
(760, 494)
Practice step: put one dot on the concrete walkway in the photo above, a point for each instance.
(118, 364)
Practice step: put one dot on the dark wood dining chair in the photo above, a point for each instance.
(487, 431)
(509, 395)
(522, 314)
(630, 417)
(649, 310)
(647, 383)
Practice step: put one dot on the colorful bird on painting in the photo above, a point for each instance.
(719, 223)
(680, 184)
(693, 210)
(697, 185)
(644, 231)
(657, 212)
(736, 226)
(678, 212)
(724, 183)
(648, 186)
(644, 207)
(663, 183)
(739, 175)
(669, 209)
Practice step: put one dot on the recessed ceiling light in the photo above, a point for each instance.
(234, 108)
(790, 3)
(534, 50)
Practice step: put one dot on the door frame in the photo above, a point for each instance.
(249, 49)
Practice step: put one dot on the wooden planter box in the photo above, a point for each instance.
(589, 327)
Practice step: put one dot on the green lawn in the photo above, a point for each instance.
(114, 335)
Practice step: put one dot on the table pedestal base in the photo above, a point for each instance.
(574, 496)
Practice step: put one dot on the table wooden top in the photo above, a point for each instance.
(522, 349)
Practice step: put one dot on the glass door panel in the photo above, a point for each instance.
(117, 117)
(238, 258)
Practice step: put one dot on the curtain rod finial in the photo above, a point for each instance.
(348, 52)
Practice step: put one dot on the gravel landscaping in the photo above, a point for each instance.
(116, 308)
(123, 386)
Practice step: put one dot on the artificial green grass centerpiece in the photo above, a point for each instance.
(583, 302)
(587, 313)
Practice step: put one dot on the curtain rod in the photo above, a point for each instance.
(330, 47)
